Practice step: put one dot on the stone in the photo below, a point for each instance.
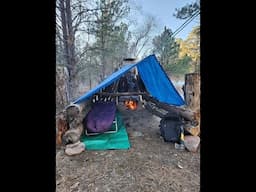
(191, 142)
(74, 149)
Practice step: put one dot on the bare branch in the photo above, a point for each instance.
(145, 42)
(60, 37)
(58, 25)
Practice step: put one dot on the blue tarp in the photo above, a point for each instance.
(115, 76)
(153, 76)
(157, 82)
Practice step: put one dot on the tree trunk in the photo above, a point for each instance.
(62, 91)
(64, 31)
(69, 42)
(192, 98)
(63, 11)
(103, 59)
(192, 91)
(74, 116)
(71, 47)
(71, 39)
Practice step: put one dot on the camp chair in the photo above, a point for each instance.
(113, 129)
(101, 118)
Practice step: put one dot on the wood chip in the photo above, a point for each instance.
(179, 166)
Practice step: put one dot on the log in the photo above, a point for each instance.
(152, 108)
(185, 113)
(73, 112)
(162, 113)
(192, 127)
(75, 115)
(193, 130)
(76, 112)
(73, 135)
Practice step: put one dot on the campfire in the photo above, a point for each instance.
(131, 104)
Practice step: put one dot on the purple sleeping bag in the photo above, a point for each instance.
(100, 118)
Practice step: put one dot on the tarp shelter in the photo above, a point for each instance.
(155, 79)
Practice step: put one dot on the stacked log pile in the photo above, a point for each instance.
(73, 115)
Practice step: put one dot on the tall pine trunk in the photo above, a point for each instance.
(69, 43)
(71, 47)
(64, 32)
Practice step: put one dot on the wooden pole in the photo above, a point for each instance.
(185, 113)
(121, 93)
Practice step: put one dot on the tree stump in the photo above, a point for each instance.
(192, 97)
(192, 91)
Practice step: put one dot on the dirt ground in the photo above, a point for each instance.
(149, 165)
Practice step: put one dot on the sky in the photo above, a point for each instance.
(163, 11)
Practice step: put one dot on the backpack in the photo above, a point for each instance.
(170, 129)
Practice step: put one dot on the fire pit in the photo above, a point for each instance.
(131, 104)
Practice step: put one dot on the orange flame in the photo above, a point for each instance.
(130, 104)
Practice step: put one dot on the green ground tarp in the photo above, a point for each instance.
(118, 140)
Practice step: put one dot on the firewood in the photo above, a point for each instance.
(192, 129)
(62, 127)
(75, 116)
(73, 135)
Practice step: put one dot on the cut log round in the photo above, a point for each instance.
(73, 135)
(73, 111)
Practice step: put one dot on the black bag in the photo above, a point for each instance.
(170, 129)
